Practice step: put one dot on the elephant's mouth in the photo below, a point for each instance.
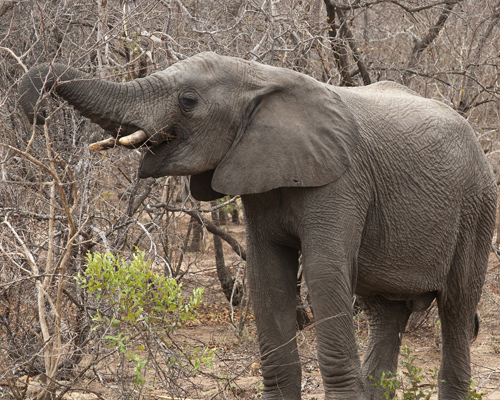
(138, 137)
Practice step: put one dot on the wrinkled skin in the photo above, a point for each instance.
(387, 195)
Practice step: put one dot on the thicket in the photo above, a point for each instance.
(59, 202)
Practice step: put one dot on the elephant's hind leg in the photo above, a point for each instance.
(457, 304)
(458, 326)
(387, 320)
(457, 301)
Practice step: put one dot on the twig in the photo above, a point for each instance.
(18, 59)
(433, 33)
(212, 228)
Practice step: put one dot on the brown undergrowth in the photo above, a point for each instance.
(235, 371)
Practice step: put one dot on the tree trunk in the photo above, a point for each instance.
(342, 39)
(222, 217)
(339, 49)
(197, 238)
(235, 216)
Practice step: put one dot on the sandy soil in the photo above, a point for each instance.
(238, 358)
(235, 372)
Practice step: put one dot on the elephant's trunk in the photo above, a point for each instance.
(105, 103)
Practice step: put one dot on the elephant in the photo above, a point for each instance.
(385, 194)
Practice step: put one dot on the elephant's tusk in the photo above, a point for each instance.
(103, 144)
(134, 138)
(130, 140)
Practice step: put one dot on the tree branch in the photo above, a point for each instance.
(211, 227)
(433, 33)
(339, 50)
(341, 38)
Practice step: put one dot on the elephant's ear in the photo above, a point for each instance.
(301, 135)
(201, 187)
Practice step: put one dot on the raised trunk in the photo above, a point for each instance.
(108, 104)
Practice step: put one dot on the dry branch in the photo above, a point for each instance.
(211, 227)
(431, 35)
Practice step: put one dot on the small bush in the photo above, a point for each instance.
(140, 308)
(414, 384)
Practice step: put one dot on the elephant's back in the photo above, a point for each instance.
(414, 135)
(426, 170)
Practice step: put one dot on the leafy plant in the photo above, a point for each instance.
(140, 305)
(473, 394)
(412, 383)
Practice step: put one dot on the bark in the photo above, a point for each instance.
(339, 50)
(235, 216)
(211, 227)
(197, 232)
(138, 193)
(6, 6)
(222, 217)
(341, 40)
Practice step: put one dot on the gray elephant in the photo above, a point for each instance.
(387, 195)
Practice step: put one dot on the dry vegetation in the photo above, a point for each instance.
(58, 201)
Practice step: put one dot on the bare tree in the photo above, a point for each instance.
(58, 201)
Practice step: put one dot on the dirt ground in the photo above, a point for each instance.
(238, 357)
(235, 372)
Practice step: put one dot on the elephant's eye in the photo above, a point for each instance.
(188, 101)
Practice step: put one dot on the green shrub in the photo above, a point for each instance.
(140, 307)
(411, 383)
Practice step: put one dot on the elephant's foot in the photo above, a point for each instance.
(295, 395)
(284, 386)
(356, 391)
(281, 395)
(371, 390)
(453, 389)
(346, 396)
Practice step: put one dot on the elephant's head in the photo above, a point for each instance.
(237, 127)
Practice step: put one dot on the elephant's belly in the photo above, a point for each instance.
(414, 301)
(393, 291)
(402, 275)
(406, 251)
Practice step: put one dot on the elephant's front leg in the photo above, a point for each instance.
(329, 280)
(272, 277)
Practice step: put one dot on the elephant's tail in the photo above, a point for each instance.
(476, 327)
